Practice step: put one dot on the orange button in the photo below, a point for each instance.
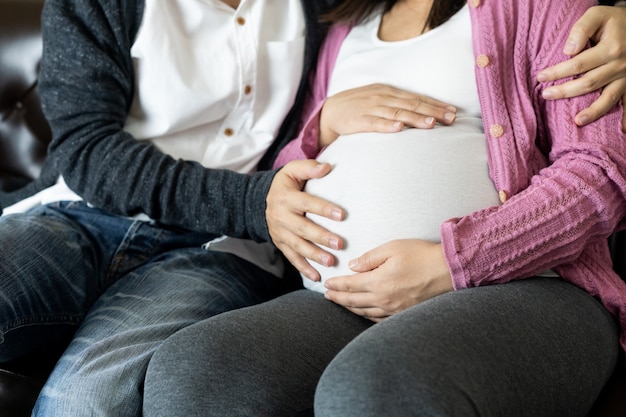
(496, 131)
(247, 89)
(482, 61)
(229, 132)
(241, 21)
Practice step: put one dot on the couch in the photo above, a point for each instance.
(24, 136)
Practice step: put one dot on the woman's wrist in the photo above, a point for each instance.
(326, 135)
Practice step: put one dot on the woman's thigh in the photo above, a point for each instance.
(536, 347)
(259, 361)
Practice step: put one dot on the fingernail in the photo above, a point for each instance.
(430, 120)
(449, 116)
(327, 260)
(334, 243)
(547, 94)
(336, 214)
(542, 77)
(353, 263)
(582, 120)
(570, 47)
(310, 275)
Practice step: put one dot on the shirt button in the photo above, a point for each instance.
(503, 196)
(229, 132)
(241, 21)
(482, 61)
(496, 131)
(247, 90)
(474, 3)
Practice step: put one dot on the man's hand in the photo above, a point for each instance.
(603, 65)
(294, 234)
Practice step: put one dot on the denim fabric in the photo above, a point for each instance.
(122, 286)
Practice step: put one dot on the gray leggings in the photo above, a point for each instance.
(537, 347)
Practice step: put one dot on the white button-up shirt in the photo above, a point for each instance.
(213, 85)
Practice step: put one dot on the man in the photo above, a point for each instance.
(161, 111)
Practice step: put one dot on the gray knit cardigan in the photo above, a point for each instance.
(87, 85)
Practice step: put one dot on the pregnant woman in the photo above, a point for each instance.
(402, 185)
(479, 248)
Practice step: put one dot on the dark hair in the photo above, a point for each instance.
(358, 10)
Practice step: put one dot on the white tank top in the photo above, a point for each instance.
(404, 185)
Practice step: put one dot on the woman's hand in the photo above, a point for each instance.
(289, 229)
(379, 108)
(604, 65)
(392, 278)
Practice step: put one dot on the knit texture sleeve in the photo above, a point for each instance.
(87, 84)
(565, 185)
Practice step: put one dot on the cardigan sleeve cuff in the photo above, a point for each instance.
(311, 133)
(306, 145)
(450, 253)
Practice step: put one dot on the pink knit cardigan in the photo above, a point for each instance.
(562, 187)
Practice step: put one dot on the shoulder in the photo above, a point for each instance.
(536, 29)
(531, 12)
(122, 17)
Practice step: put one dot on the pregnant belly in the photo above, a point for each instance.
(399, 186)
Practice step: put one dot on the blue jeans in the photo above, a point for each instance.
(117, 288)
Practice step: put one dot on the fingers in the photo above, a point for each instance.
(611, 94)
(369, 261)
(603, 65)
(363, 303)
(301, 171)
(301, 264)
(295, 235)
(592, 80)
(380, 108)
(412, 113)
(286, 190)
(579, 36)
(413, 110)
(294, 232)
(580, 64)
(583, 30)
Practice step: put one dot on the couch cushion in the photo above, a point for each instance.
(24, 132)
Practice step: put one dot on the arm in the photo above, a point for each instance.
(87, 88)
(570, 203)
(602, 66)
(561, 217)
(370, 108)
